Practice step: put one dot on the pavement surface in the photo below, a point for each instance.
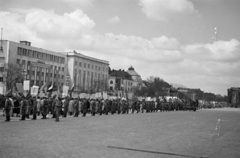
(213, 133)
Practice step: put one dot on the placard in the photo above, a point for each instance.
(93, 96)
(26, 85)
(1, 90)
(34, 90)
(105, 95)
(82, 95)
(65, 91)
(19, 87)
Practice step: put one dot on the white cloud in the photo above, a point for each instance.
(78, 3)
(208, 66)
(114, 20)
(161, 9)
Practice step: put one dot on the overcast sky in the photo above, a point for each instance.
(171, 39)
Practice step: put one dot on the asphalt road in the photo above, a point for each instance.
(145, 135)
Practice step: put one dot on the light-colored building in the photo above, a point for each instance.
(120, 83)
(86, 73)
(57, 68)
(137, 80)
(39, 65)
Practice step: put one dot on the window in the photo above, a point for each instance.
(99, 68)
(62, 68)
(84, 65)
(89, 66)
(1, 69)
(18, 61)
(111, 88)
(80, 64)
(59, 68)
(95, 67)
(19, 51)
(111, 82)
(92, 67)
(30, 53)
(23, 62)
(62, 76)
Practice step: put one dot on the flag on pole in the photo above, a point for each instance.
(50, 88)
(43, 86)
(72, 89)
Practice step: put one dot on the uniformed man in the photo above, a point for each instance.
(58, 105)
(24, 105)
(34, 108)
(8, 107)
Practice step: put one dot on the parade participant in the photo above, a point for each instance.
(8, 107)
(70, 107)
(34, 108)
(44, 108)
(105, 106)
(65, 107)
(28, 108)
(58, 105)
(51, 106)
(38, 105)
(84, 107)
(79, 105)
(76, 108)
(93, 107)
(24, 104)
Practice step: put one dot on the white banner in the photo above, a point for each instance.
(65, 91)
(26, 85)
(34, 90)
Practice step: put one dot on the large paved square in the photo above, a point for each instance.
(166, 134)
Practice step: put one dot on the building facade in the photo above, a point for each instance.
(120, 83)
(86, 73)
(55, 68)
(137, 80)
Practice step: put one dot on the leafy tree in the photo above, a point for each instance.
(155, 87)
(12, 74)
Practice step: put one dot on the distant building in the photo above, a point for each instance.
(120, 82)
(234, 96)
(87, 73)
(137, 80)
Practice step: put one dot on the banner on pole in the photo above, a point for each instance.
(26, 85)
(34, 90)
(65, 91)
(1, 90)
(19, 87)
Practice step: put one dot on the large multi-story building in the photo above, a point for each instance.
(86, 73)
(55, 68)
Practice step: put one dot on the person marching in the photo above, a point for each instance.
(34, 108)
(7, 108)
(58, 105)
(24, 104)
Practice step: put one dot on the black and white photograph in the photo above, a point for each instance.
(119, 79)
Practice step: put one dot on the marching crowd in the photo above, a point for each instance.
(35, 106)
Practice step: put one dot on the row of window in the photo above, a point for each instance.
(129, 83)
(90, 66)
(28, 63)
(128, 89)
(40, 55)
(39, 83)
